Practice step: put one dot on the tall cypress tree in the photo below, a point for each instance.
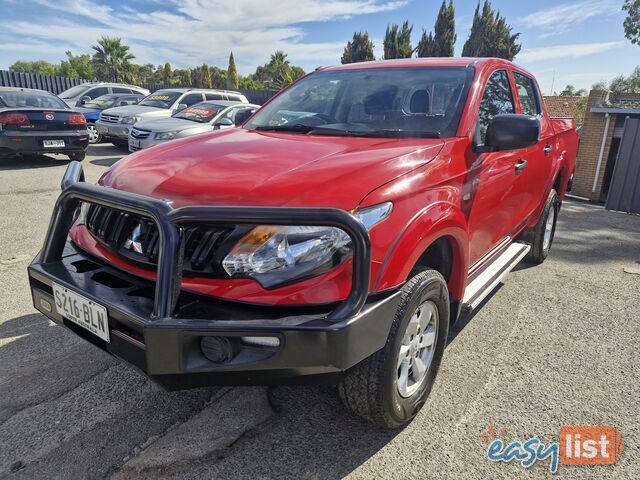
(490, 35)
(442, 43)
(397, 41)
(360, 49)
(232, 74)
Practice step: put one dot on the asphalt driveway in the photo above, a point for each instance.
(555, 345)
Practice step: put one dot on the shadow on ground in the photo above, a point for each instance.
(32, 161)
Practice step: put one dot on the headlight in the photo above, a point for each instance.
(166, 135)
(130, 120)
(275, 255)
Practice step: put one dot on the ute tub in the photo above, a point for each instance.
(160, 329)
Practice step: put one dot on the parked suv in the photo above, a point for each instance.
(80, 94)
(333, 237)
(115, 123)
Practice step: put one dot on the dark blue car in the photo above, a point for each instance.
(91, 110)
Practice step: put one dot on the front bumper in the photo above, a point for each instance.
(113, 130)
(159, 329)
(136, 144)
(15, 142)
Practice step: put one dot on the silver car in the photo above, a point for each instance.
(199, 118)
(85, 92)
(116, 123)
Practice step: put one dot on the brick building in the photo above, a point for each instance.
(600, 140)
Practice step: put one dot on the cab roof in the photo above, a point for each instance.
(421, 62)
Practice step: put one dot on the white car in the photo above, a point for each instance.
(115, 124)
(85, 92)
(199, 118)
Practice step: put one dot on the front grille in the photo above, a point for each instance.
(109, 118)
(137, 239)
(140, 134)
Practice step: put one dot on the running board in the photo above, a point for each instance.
(492, 275)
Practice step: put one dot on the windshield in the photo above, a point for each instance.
(160, 99)
(31, 100)
(200, 112)
(101, 103)
(385, 102)
(74, 92)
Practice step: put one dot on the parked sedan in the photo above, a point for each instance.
(199, 118)
(91, 110)
(35, 121)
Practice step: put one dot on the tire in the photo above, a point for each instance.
(541, 236)
(121, 143)
(77, 156)
(94, 136)
(372, 389)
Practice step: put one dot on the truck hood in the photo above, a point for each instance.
(172, 125)
(242, 167)
(139, 110)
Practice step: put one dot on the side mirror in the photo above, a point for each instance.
(85, 99)
(243, 115)
(223, 123)
(511, 131)
(181, 107)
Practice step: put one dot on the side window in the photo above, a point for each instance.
(97, 92)
(120, 90)
(191, 99)
(497, 99)
(528, 94)
(214, 96)
(231, 114)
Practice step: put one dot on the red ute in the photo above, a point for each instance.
(333, 237)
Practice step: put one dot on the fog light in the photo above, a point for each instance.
(262, 341)
(217, 349)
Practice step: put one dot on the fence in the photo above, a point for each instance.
(57, 85)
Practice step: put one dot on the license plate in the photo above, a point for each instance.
(53, 143)
(134, 143)
(81, 311)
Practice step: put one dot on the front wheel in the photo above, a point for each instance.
(94, 136)
(390, 387)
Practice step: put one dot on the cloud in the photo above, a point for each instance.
(575, 50)
(560, 18)
(192, 32)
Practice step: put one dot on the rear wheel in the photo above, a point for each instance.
(541, 236)
(77, 156)
(390, 387)
(94, 136)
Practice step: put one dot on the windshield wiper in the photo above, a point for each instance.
(296, 127)
(381, 133)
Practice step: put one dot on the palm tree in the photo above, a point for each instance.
(112, 59)
(280, 69)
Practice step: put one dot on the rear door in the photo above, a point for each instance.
(491, 176)
(531, 183)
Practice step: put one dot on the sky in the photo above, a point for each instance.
(578, 42)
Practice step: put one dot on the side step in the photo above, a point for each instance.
(493, 274)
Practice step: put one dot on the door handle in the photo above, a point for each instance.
(520, 166)
(547, 149)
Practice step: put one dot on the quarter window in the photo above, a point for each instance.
(497, 99)
(528, 94)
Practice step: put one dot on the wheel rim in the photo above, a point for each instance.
(93, 134)
(417, 349)
(548, 228)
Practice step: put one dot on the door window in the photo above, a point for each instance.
(120, 90)
(497, 99)
(528, 94)
(97, 92)
(191, 99)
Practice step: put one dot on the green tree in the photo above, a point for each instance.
(442, 43)
(297, 72)
(490, 35)
(232, 74)
(632, 21)
(205, 76)
(218, 78)
(359, 49)
(112, 59)
(397, 41)
(38, 67)
(167, 74)
(621, 83)
(77, 66)
(570, 91)
(182, 77)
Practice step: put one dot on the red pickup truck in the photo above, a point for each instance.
(333, 237)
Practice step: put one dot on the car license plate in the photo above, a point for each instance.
(134, 143)
(82, 311)
(53, 143)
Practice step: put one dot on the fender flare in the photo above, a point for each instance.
(441, 219)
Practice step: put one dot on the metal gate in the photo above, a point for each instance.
(624, 191)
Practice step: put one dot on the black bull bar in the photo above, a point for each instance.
(171, 248)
